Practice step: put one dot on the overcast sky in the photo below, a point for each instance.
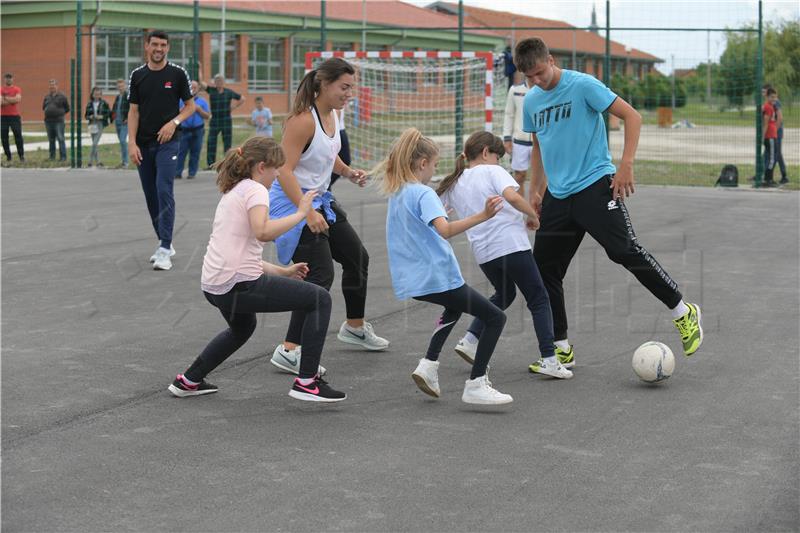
(689, 48)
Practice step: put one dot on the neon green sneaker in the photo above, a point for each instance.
(565, 357)
(690, 326)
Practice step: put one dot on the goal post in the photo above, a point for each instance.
(447, 95)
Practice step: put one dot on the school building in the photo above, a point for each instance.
(261, 51)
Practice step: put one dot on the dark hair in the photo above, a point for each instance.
(259, 99)
(8, 75)
(310, 86)
(473, 148)
(766, 86)
(530, 51)
(95, 88)
(771, 91)
(158, 34)
(239, 162)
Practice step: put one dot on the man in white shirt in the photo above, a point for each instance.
(517, 142)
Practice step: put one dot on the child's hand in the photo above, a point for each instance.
(297, 271)
(493, 205)
(305, 202)
(532, 223)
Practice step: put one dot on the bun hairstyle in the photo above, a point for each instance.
(238, 163)
(403, 159)
(310, 86)
(473, 149)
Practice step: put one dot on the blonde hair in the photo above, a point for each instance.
(473, 148)
(403, 159)
(238, 163)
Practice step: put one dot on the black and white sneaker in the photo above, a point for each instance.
(316, 391)
(181, 389)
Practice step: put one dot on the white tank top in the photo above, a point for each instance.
(314, 169)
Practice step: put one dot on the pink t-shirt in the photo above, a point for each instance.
(234, 253)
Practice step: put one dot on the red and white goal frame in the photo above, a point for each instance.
(433, 54)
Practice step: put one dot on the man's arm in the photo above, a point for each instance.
(133, 127)
(538, 177)
(239, 101)
(202, 112)
(508, 120)
(622, 184)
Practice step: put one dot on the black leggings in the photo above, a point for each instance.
(519, 269)
(466, 300)
(593, 211)
(267, 294)
(341, 244)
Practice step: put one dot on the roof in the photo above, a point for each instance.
(380, 12)
(557, 40)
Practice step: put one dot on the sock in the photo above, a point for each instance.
(550, 360)
(564, 344)
(305, 381)
(679, 310)
(470, 338)
(351, 328)
(187, 381)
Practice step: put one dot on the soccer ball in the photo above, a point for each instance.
(653, 362)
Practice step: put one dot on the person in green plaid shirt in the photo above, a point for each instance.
(222, 103)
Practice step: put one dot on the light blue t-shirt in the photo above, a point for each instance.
(420, 261)
(265, 115)
(568, 123)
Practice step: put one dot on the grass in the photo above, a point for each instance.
(700, 174)
(702, 114)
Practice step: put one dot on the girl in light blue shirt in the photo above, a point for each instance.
(423, 266)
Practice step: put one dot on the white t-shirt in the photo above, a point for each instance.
(502, 234)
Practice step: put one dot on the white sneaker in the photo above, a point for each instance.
(426, 376)
(554, 369)
(155, 254)
(466, 350)
(363, 337)
(479, 391)
(289, 360)
(162, 261)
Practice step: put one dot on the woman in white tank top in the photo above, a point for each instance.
(311, 142)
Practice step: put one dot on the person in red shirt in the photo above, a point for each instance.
(10, 118)
(770, 121)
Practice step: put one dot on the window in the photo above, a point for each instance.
(116, 55)
(265, 65)
(181, 50)
(299, 49)
(231, 51)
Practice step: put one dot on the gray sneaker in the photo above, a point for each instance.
(289, 360)
(363, 337)
(163, 261)
(155, 254)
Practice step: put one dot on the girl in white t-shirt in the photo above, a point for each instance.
(240, 284)
(501, 245)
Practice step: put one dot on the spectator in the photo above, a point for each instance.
(192, 131)
(510, 68)
(119, 114)
(261, 118)
(770, 121)
(221, 100)
(55, 106)
(10, 118)
(517, 142)
(99, 116)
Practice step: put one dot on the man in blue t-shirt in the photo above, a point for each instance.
(193, 129)
(578, 190)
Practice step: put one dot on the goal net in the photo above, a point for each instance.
(446, 95)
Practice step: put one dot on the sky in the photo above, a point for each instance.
(688, 48)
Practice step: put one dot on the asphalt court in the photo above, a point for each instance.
(91, 337)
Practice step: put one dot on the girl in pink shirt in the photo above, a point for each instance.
(240, 284)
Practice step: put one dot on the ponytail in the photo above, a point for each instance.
(451, 179)
(238, 163)
(473, 148)
(310, 86)
(403, 159)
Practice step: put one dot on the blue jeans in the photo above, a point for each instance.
(191, 143)
(55, 132)
(157, 172)
(122, 134)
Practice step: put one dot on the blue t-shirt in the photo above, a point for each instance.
(568, 123)
(420, 261)
(195, 120)
(261, 119)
